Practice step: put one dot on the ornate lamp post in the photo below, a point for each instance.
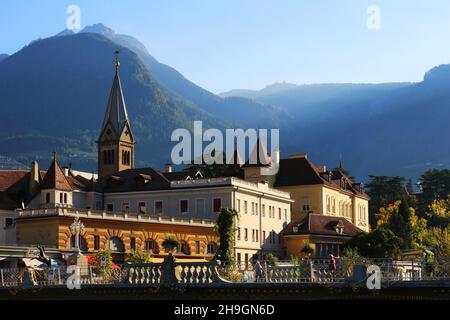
(77, 228)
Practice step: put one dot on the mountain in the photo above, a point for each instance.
(3, 56)
(384, 129)
(236, 110)
(255, 94)
(54, 94)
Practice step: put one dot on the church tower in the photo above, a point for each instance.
(116, 141)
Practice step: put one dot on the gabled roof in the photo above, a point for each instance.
(10, 177)
(319, 224)
(116, 111)
(55, 178)
(134, 180)
(297, 170)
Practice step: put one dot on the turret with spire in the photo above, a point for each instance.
(116, 141)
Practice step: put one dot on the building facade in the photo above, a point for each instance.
(126, 208)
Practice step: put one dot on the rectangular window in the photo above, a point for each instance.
(96, 242)
(256, 208)
(245, 206)
(133, 243)
(264, 237)
(238, 205)
(126, 207)
(217, 204)
(306, 206)
(9, 222)
(263, 210)
(256, 236)
(142, 207)
(253, 235)
(158, 207)
(253, 208)
(246, 259)
(285, 215)
(279, 213)
(184, 206)
(197, 247)
(246, 234)
(239, 233)
(239, 258)
(110, 207)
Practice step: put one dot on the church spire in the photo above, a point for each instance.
(116, 141)
(116, 110)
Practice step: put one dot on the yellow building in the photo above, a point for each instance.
(329, 207)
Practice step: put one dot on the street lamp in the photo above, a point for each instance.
(76, 228)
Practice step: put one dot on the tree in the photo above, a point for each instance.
(403, 221)
(225, 228)
(438, 241)
(435, 185)
(139, 256)
(438, 213)
(383, 190)
(379, 243)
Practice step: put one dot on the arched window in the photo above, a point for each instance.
(212, 248)
(83, 243)
(116, 244)
(152, 246)
(105, 157)
(65, 197)
(185, 248)
(47, 197)
(60, 198)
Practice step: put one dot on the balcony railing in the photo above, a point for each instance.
(171, 272)
(123, 216)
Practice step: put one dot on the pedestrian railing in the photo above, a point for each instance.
(212, 273)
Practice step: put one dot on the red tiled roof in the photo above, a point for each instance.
(320, 224)
(10, 177)
(55, 178)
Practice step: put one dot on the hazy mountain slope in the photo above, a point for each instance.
(54, 95)
(237, 110)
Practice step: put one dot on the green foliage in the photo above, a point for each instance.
(225, 226)
(95, 261)
(271, 259)
(379, 243)
(435, 186)
(383, 191)
(171, 243)
(438, 241)
(139, 256)
(307, 249)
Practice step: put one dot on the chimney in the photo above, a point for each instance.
(34, 177)
(323, 168)
(168, 167)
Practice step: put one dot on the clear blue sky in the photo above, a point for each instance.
(226, 44)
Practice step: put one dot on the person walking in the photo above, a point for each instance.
(259, 271)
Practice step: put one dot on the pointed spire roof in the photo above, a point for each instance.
(259, 151)
(116, 110)
(55, 178)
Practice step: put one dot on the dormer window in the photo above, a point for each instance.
(339, 227)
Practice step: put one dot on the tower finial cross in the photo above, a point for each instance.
(116, 63)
